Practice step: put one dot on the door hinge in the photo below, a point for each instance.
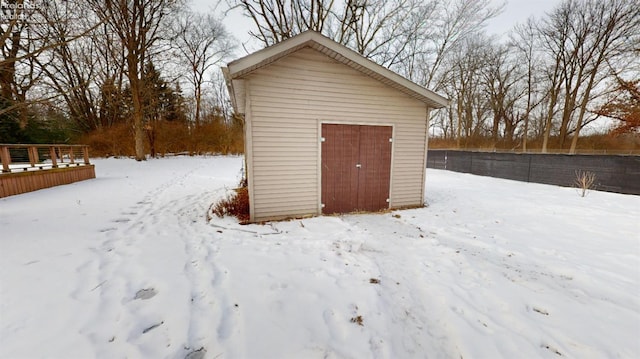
(322, 205)
(321, 139)
(388, 200)
(390, 139)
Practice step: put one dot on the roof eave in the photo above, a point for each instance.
(232, 95)
(340, 53)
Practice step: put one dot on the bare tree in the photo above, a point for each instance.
(368, 27)
(453, 23)
(137, 23)
(411, 37)
(278, 20)
(201, 43)
(21, 43)
(28, 40)
(580, 36)
(10, 36)
(220, 105)
(501, 81)
(464, 83)
(70, 68)
(552, 44)
(13, 36)
(523, 41)
(613, 21)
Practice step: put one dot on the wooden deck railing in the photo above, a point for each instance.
(17, 158)
(27, 168)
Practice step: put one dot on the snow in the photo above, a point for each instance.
(127, 265)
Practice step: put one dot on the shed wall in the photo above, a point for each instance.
(291, 98)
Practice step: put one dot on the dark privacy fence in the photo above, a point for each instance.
(620, 174)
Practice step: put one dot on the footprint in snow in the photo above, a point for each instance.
(145, 294)
(146, 330)
(196, 354)
(540, 310)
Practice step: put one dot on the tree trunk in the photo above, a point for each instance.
(585, 101)
(138, 130)
(547, 129)
(138, 120)
(527, 112)
(497, 117)
(524, 135)
(459, 129)
(553, 100)
(198, 104)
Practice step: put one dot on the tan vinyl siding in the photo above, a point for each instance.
(289, 99)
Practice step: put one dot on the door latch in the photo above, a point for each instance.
(358, 165)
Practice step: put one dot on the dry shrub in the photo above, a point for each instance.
(476, 143)
(236, 205)
(217, 137)
(116, 140)
(168, 137)
(171, 137)
(626, 143)
(597, 143)
(584, 181)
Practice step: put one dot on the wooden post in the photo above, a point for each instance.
(5, 156)
(71, 158)
(33, 155)
(52, 153)
(85, 153)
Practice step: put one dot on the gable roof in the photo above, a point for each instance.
(239, 68)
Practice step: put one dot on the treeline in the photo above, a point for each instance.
(128, 77)
(541, 85)
(142, 76)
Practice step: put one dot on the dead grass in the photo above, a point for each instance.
(597, 143)
(236, 205)
(358, 320)
(170, 137)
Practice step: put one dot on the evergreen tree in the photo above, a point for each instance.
(113, 108)
(10, 131)
(160, 103)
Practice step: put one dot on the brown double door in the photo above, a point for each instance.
(356, 168)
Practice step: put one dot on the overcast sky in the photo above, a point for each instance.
(515, 11)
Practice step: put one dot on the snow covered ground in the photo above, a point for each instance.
(126, 265)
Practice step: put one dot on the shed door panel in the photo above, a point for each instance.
(356, 167)
(375, 171)
(339, 178)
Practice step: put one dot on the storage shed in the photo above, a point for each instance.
(329, 131)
